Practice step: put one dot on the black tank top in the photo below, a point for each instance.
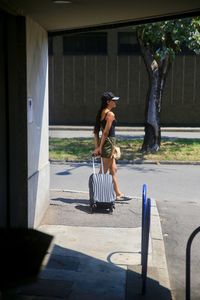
(112, 128)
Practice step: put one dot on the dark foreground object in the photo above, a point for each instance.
(21, 255)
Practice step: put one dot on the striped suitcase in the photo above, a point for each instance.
(101, 190)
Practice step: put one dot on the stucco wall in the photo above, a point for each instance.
(37, 119)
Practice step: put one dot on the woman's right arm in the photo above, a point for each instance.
(96, 140)
(96, 144)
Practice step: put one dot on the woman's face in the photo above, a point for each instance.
(112, 104)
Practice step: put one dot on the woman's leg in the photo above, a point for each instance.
(110, 164)
(106, 165)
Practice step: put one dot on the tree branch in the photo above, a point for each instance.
(148, 57)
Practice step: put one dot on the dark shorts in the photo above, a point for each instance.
(107, 147)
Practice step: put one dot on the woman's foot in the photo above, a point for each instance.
(122, 197)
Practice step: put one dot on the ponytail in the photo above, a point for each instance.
(97, 125)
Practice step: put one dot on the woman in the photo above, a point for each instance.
(105, 120)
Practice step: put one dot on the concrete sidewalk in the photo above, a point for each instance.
(121, 128)
(122, 132)
(97, 256)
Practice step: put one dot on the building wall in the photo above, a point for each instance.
(181, 99)
(3, 126)
(77, 82)
(37, 120)
(13, 122)
(24, 182)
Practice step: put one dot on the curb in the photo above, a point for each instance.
(158, 247)
(131, 162)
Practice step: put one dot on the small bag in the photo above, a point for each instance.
(116, 151)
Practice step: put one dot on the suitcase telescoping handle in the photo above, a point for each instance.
(93, 159)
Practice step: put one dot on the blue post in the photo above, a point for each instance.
(188, 263)
(144, 202)
(147, 220)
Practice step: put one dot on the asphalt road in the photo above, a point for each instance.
(176, 190)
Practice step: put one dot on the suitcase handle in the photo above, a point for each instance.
(93, 159)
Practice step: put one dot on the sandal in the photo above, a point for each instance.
(123, 198)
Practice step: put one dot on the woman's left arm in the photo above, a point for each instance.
(109, 119)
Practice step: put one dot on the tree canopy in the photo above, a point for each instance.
(168, 37)
(159, 43)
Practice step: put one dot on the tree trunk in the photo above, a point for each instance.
(157, 74)
(152, 137)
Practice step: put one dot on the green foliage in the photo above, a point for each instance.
(70, 149)
(167, 37)
(80, 149)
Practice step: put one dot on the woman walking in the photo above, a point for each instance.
(105, 121)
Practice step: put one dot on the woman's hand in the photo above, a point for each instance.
(97, 151)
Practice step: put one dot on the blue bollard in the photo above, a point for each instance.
(144, 202)
(147, 220)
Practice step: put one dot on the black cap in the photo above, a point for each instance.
(109, 96)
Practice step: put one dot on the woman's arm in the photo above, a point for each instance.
(96, 140)
(109, 119)
(99, 144)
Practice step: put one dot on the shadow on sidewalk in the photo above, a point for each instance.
(68, 201)
(83, 204)
(73, 275)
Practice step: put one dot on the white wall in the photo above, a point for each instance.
(37, 120)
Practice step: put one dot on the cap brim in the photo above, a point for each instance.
(115, 98)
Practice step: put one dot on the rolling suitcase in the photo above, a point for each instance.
(101, 190)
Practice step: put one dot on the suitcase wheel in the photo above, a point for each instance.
(92, 208)
(111, 208)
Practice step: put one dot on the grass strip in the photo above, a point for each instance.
(80, 149)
